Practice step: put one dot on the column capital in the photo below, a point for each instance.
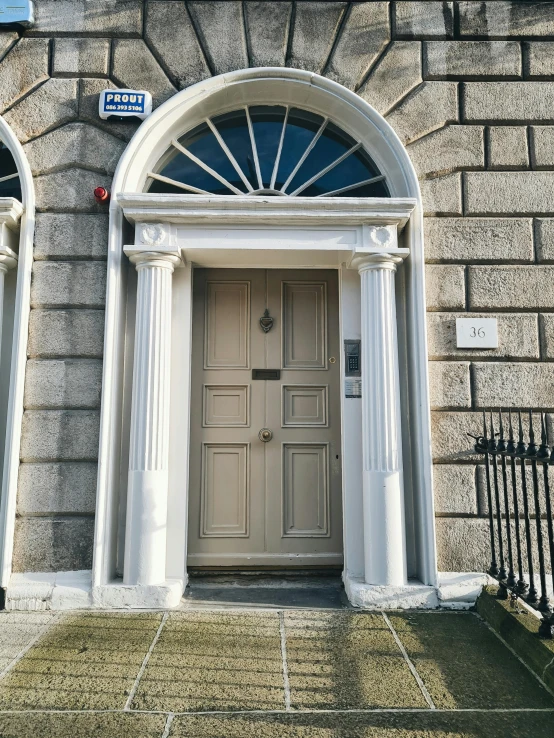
(144, 256)
(8, 258)
(364, 259)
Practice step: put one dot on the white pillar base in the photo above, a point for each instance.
(71, 590)
(146, 527)
(164, 596)
(384, 549)
(455, 591)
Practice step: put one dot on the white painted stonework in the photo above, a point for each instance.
(72, 590)
(10, 213)
(145, 539)
(383, 485)
(17, 225)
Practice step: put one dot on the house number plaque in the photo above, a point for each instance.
(478, 333)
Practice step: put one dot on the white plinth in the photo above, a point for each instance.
(390, 597)
(62, 590)
(164, 596)
(454, 591)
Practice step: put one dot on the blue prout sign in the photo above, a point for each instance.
(18, 12)
(125, 104)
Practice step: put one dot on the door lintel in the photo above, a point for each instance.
(266, 232)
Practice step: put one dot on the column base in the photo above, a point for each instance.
(455, 591)
(117, 595)
(413, 595)
(71, 590)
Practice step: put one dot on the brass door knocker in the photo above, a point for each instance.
(266, 321)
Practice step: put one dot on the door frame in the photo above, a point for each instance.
(273, 233)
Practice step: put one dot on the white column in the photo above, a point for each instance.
(146, 524)
(383, 492)
(8, 260)
(3, 271)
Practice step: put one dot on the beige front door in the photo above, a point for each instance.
(257, 502)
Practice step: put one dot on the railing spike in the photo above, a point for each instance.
(532, 596)
(521, 585)
(502, 449)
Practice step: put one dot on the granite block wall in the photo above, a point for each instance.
(469, 89)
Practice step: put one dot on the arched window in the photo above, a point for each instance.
(10, 185)
(268, 150)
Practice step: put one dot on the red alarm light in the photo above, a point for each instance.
(101, 194)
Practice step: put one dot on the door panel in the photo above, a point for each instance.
(254, 503)
(227, 329)
(304, 405)
(224, 489)
(304, 325)
(308, 304)
(305, 490)
(227, 410)
(226, 405)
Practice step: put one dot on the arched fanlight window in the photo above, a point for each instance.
(10, 185)
(268, 150)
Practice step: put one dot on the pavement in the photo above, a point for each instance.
(218, 669)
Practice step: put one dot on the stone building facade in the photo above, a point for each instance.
(468, 87)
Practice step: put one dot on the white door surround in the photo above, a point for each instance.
(365, 240)
(17, 227)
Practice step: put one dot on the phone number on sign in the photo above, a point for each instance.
(126, 108)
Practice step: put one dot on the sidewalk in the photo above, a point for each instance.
(207, 673)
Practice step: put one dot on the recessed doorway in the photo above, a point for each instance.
(265, 455)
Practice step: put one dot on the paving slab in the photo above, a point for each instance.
(346, 660)
(215, 661)
(464, 665)
(81, 725)
(427, 724)
(17, 631)
(85, 661)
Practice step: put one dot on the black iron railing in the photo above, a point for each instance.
(520, 509)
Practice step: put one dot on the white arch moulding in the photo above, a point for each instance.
(19, 353)
(181, 113)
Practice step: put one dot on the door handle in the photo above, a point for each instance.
(265, 435)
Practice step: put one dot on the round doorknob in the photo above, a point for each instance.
(265, 435)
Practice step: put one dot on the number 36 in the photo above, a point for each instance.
(477, 332)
